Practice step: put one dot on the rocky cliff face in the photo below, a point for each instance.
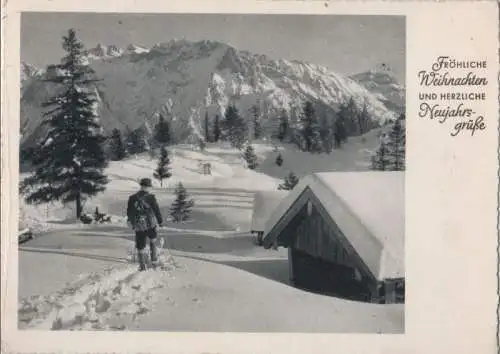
(184, 80)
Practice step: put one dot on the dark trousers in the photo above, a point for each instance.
(141, 238)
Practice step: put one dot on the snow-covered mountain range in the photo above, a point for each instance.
(184, 80)
(384, 86)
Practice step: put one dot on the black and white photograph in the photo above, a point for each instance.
(212, 173)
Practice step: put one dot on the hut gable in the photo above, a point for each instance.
(366, 207)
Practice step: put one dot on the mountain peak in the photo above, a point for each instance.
(188, 79)
(101, 51)
(28, 71)
(231, 61)
(132, 48)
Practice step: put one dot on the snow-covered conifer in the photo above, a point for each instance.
(310, 130)
(289, 183)
(250, 157)
(397, 145)
(283, 127)
(235, 127)
(256, 125)
(136, 141)
(216, 132)
(208, 136)
(182, 205)
(381, 159)
(162, 131)
(117, 146)
(70, 161)
(162, 171)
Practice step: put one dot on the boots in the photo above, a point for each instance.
(153, 251)
(141, 256)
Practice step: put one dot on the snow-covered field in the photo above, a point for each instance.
(76, 277)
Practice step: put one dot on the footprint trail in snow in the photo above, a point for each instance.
(97, 301)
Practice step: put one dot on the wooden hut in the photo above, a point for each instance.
(345, 234)
(264, 203)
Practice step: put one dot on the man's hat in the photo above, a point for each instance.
(146, 182)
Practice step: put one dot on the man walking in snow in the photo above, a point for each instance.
(144, 215)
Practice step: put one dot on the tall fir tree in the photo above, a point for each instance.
(182, 205)
(310, 130)
(256, 126)
(340, 127)
(235, 127)
(326, 132)
(381, 160)
(289, 182)
(216, 133)
(352, 118)
(364, 120)
(117, 146)
(69, 163)
(163, 171)
(162, 131)
(136, 141)
(208, 137)
(250, 157)
(283, 127)
(397, 146)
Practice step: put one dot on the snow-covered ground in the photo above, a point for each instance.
(216, 278)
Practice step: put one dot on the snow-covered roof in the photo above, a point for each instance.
(264, 204)
(369, 209)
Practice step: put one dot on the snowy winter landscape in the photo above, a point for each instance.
(219, 279)
(208, 122)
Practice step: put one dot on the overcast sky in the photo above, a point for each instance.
(345, 44)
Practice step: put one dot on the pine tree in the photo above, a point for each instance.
(181, 207)
(117, 146)
(311, 130)
(289, 183)
(235, 127)
(162, 131)
(163, 169)
(257, 129)
(326, 132)
(381, 159)
(352, 118)
(364, 120)
(340, 129)
(216, 134)
(279, 160)
(208, 138)
(250, 157)
(396, 146)
(69, 163)
(283, 127)
(136, 141)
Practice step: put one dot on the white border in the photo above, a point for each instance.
(451, 196)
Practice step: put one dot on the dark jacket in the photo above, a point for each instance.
(150, 199)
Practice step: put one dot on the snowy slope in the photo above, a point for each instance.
(228, 172)
(181, 77)
(217, 278)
